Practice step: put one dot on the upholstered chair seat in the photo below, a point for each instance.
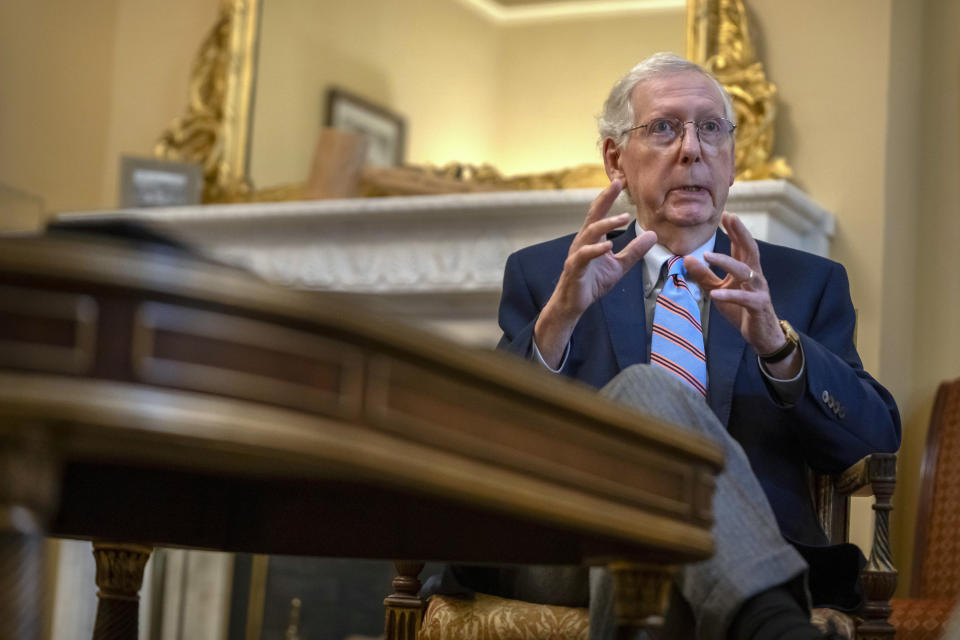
(486, 617)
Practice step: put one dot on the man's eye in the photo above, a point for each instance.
(660, 126)
(710, 126)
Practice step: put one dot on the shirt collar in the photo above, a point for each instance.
(658, 254)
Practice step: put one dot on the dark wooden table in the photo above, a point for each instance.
(154, 398)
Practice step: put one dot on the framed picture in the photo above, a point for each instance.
(384, 130)
(148, 182)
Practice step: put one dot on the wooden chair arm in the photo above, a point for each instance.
(874, 473)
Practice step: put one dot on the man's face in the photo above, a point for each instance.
(679, 190)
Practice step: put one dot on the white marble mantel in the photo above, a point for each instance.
(435, 259)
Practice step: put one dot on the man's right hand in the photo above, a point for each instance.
(589, 272)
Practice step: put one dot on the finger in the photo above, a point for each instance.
(600, 228)
(738, 270)
(597, 231)
(701, 274)
(742, 244)
(753, 300)
(578, 260)
(636, 249)
(600, 206)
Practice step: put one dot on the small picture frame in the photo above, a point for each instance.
(149, 182)
(384, 130)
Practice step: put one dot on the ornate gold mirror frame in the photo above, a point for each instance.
(718, 38)
(215, 129)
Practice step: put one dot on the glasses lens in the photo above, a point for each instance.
(663, 131)
(713, 131)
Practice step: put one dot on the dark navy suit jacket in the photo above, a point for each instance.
(843, 414)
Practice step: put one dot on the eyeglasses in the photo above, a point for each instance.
(663, 132)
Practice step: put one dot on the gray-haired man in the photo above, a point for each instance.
(747, 342)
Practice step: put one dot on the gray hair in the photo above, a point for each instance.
(618, 113)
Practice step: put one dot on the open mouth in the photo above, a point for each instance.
(692, 189)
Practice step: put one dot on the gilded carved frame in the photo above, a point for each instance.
(215, 129)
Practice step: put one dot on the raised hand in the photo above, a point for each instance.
(589, 272)
(743, 296)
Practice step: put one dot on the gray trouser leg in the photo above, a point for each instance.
(751, 555)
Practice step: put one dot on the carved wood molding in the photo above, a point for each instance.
(404, 608)
(120, 569)
(642, 593)
(119, 577)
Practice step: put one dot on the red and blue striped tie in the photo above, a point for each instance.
(676, 343)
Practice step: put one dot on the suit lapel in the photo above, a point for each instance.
(725, 348)
(624, 312)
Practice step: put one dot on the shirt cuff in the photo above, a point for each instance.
(788, 391)
(539, 358)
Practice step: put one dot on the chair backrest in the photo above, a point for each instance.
(937, 550)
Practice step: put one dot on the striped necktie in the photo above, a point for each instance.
(676, 343)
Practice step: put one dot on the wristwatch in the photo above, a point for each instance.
(793, 341)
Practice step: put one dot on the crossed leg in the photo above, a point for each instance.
(751, 555)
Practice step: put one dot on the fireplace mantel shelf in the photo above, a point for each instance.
(450, 242)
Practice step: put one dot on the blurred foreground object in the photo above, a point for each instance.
(148, 396)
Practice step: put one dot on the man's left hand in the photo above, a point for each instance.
(743, 296)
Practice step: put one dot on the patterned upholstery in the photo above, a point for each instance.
(492, 618)
(941, 565)
(924, 616)
(920, 618)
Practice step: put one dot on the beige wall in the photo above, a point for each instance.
(56, 65)
(554, 77)
(153, 47)
(83, 83)
(830, 65)
(19, 210)
(902, 191)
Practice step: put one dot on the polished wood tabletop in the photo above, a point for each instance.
(150, 395)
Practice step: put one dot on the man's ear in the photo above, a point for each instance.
(611, 159)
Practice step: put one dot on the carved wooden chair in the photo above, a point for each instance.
(935, 583)
(874, 475)
(491, 618)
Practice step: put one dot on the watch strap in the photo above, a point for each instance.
(789, 346)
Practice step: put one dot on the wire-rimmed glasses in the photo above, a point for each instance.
(663, 132)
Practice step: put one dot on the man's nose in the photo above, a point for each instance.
(690, 149)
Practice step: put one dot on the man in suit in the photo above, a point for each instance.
(775, 360)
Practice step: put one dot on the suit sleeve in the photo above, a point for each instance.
(844, 414)
(519, 310)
